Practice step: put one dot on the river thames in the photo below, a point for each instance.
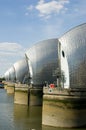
(21, 117)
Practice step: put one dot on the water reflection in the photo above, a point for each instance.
(21, 117)
(27, 118)
(54, 128)
(6, 111)
(30, 118)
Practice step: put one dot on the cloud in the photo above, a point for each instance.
(9, 49)
(9, 54)
(46, 9)
(10, 46)
(31, 7)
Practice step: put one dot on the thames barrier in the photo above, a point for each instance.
(52, 74)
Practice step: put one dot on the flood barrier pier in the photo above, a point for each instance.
(60, 107)
(28, 95)
(65, 108)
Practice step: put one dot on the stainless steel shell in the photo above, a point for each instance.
(21, 70)
(74, 46)
(12, 76)
(43, 61)
(6, 75)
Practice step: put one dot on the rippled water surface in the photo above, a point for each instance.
(21, 117)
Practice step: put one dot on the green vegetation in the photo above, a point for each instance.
(1, 79)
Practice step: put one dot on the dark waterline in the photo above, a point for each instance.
(21, 117)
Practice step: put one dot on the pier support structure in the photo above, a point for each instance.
(10, 87)
(35, 96)
(21, 94)
(5, 84)
(28, 95)
(64, 108)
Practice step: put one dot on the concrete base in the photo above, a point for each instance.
(21, 94)
(63, 110)
(35, 96)
(10, 88)
(5, 84)
(28, 95)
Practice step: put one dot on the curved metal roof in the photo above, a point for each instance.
(74, 46)
(42, 61)
(21, 70)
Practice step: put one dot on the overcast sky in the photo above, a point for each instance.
(25, 22)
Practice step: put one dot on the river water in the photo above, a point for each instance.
(21, 117)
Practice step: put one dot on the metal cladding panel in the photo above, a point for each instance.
(12, 76)
(74, 44)
(42, 61)
(21, 70)
(6, 75)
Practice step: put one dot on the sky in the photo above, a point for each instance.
(23, 23)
